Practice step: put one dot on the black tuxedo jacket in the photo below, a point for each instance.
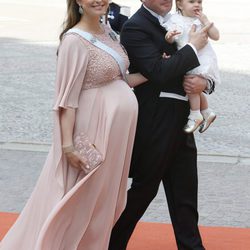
(144, 40)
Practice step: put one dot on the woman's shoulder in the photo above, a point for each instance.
(73, 39)
(72, 42)
(106, 27)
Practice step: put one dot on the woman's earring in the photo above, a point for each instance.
(80, 10)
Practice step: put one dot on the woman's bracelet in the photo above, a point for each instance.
(68, 149)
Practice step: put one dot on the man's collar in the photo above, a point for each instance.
(162, 19)
(151, 12)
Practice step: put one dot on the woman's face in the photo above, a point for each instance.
(94, 7)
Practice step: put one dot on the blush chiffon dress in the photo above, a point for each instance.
(68, 210)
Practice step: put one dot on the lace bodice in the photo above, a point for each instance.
(101, 67)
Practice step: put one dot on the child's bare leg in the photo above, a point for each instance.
(195, 117)
(204, 103)
(194, 101)
(205, 110)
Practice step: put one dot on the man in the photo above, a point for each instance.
(162, 151)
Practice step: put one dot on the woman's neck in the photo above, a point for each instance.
(91, 25)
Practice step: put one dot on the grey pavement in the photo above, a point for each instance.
(224, 197)
(28, 43)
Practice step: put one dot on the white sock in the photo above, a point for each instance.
(206, 112)
(195, 115)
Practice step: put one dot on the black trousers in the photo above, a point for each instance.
(171, 157)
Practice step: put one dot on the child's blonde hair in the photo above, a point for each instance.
(176, 6)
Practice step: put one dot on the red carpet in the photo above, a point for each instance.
(157, 236)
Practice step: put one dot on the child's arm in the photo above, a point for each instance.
(135, 79)
(213, 32)
(170, 35)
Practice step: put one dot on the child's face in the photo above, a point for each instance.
(189, 7)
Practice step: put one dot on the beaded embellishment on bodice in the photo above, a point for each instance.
(102, 67)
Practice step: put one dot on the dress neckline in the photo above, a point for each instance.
(92, 33)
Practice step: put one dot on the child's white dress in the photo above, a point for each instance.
(207, 57)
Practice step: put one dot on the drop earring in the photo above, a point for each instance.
(80, 10)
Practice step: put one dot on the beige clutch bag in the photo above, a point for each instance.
(88, 151)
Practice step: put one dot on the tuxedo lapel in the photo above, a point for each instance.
(148, 15)
(144, 12)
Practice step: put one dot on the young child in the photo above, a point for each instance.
(189, 13)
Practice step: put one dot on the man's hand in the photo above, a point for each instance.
(199, 38)
(194, 84)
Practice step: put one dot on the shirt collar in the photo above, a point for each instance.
(152, 12)
(162, 19)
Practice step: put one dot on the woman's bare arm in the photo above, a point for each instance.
(135, 79)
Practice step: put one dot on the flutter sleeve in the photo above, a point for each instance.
(71, 68)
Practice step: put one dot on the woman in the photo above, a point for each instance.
(68, 209)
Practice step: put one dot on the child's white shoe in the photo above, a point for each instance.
(192, 125)
(207, 122)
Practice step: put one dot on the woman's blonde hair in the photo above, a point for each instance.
(72, 18)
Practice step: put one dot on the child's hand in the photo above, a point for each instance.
(170, 35)
(202, 17)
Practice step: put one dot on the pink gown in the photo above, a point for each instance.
(67, 210)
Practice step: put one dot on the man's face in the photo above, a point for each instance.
(161, 7)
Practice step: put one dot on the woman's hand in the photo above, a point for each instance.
(74, 160)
